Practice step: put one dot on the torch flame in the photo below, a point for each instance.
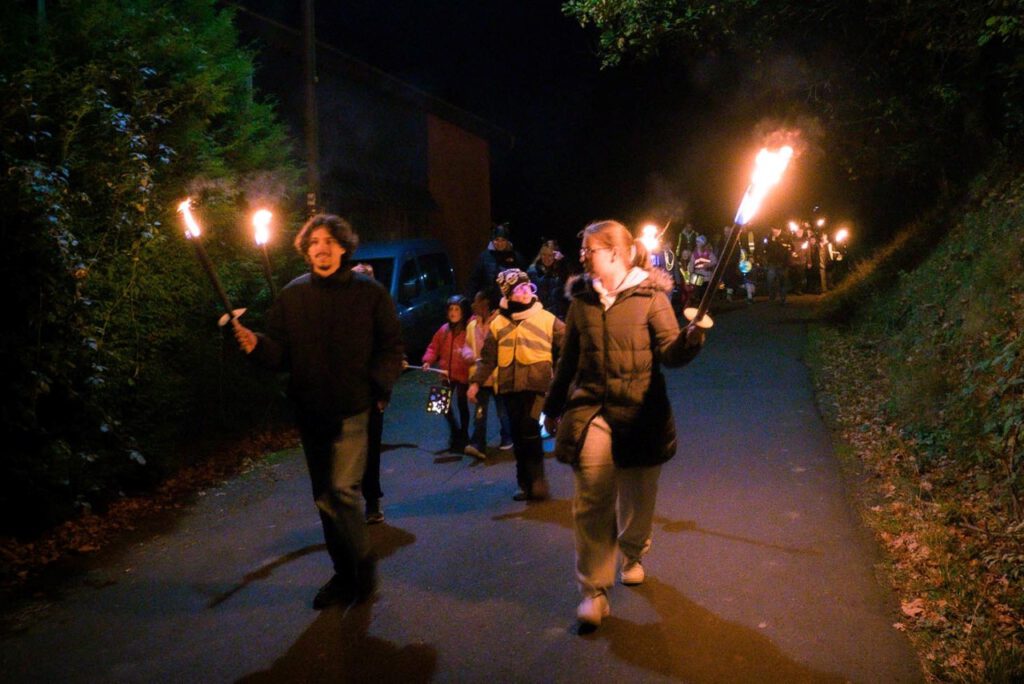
(767, 173)
(192, 229)
(261, 226)
(649, 237)
(842, 235)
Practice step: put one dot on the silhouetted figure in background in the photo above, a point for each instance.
(500, 255)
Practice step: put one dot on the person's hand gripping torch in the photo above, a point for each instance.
(767, 173)
(193, 232)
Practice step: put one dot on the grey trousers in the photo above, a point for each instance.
(336, 457)
(612, 508)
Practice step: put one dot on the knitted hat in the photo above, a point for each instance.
(509, 279)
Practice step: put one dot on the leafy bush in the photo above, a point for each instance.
(110, 114)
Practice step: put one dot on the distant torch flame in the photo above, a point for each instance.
(767, 173)
(192, 229)
(649, 236)
(261, 226)
(842, 235)
(793, 226)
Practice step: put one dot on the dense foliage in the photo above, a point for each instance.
(913, 95)
(110, 111)
(924, 382)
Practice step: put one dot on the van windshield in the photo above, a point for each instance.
(437, 272)
(382, 270)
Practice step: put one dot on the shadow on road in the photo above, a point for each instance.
(559, 512)
(555, 511)
(337, 648)
(691, 526)
(385, 540)
(264, 572)
(400, 445)
(693, 644)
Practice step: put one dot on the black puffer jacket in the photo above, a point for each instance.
(340, 340)
(489, 264)
(611, 364)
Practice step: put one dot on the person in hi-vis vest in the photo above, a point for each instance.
(519, 345)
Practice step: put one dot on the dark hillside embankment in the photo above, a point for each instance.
(921, 377)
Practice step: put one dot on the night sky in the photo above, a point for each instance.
(669, 138)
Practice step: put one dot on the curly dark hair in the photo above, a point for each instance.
(339, 228)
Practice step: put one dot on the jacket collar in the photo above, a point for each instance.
(657, 280)
(341, 277)
(634, 277)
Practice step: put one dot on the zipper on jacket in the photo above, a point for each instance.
(515, 345)
(604, 338)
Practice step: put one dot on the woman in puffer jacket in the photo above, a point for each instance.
(609, 408)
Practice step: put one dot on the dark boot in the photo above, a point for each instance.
(336, 592)
(366, 579)
(539, 490)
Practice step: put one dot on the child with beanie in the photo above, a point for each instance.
(519, 345)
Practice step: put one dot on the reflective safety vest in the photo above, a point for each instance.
(526, 343)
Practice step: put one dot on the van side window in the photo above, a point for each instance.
(437, 272)
(408, 282)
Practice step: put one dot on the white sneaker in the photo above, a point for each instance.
(592, 610)
(632, 573)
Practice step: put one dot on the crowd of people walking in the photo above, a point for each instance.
(579, 342)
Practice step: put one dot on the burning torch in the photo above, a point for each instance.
(767, 173)
(193, 233)
(261, 231)
(651, 237)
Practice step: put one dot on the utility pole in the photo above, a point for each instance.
(312, 119)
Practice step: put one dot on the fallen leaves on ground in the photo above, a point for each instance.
(949, 545)
(21, 560)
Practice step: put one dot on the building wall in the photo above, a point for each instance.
(459, 179)
(394, 160)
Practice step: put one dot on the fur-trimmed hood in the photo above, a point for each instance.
(657, 279)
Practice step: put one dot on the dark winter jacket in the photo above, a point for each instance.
(339, 339)
(777, 252)
(550, 284)
(489, 264)
(611, 364)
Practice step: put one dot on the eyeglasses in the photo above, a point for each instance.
(587, 251)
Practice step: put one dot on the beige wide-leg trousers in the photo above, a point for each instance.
(612, 506)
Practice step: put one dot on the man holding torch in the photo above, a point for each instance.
(337, 335)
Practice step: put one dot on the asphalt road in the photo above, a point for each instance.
(759, 570)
